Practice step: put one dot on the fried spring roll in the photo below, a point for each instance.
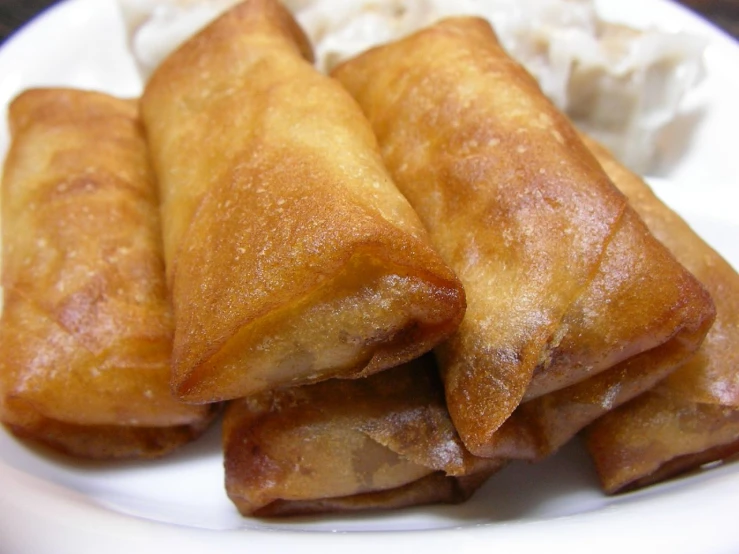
(376, 443)
(86, 330)
(692, 417)
(563, 280)
(291, 254)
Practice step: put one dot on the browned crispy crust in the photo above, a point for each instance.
(382, 442)
(291, 255)
(102, 442)
(657, 436)
(565, 286)
(436, 488)
(86, 331)
(692, 417)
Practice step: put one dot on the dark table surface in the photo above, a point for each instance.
(14, 13)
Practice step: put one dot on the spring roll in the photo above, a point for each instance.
(291, 254)
(86, 329)
(563, 280)
(692, 417)
(348, 445)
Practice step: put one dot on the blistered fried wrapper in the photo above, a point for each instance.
(377, 443)
(291, 255)
(573, 306)
(86, 330)
(692, 417)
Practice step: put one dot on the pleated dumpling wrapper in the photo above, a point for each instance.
(563, 280)
(349, 445)
(692, 417)
(86, 330)
(291, 254)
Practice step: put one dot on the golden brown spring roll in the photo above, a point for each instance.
(563, 280)
(86, 330)
(692, 417)
(291, 254)
(376, 443)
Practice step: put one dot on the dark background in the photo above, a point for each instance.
(14, 13)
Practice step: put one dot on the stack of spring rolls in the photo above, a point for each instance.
(320, 236)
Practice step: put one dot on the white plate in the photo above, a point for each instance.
(53, 505)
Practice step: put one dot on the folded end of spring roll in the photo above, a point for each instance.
(565, 286)
(292, 256)
(649, 338)
(377, 443)
(665, 347)
(657, 436)
(718, 380)
(539, 427)
(692, 417)
(86, 330)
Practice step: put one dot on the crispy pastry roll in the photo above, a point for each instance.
(86, 330)
(692, 417)
(291, 254)
(346, 445)
(563, 280)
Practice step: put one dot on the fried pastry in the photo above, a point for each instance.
(692, 417)
(291, 254)
(348, 445)
(86, 330)
(563, 280)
